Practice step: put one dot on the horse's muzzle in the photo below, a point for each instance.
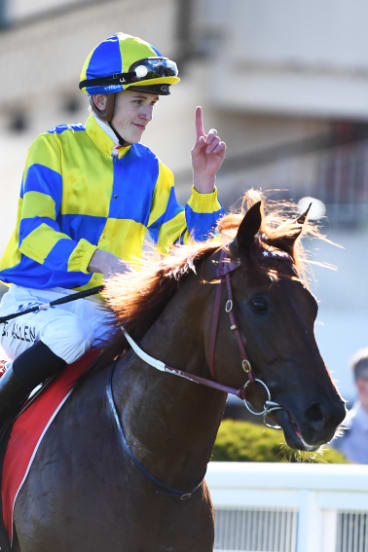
(314, 427)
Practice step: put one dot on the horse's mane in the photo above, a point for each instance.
(138, 296)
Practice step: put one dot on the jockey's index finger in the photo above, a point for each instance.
(199, 121)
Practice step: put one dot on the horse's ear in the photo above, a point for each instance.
(303, 217)
(286, 243)
(249, 227)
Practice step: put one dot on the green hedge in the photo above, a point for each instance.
(239, 441)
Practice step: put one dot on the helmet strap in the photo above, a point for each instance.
(107, 114)
(122, 141)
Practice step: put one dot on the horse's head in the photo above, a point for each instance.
(275, 314)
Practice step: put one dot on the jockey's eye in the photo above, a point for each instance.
(259, 304)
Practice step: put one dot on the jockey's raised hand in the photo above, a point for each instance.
(208, 155)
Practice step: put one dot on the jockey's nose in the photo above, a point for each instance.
(146, 113)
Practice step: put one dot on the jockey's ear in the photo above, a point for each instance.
(100, 100)
(249, 227)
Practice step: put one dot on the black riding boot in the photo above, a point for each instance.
(28, 370)
(12, 393)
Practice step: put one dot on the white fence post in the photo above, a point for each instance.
(316, 527)
(309, 530)
(329, 530)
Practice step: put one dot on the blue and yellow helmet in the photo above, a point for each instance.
(122, 61)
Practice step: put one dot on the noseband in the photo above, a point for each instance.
(225, 268)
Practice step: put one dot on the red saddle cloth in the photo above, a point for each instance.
(29, 430)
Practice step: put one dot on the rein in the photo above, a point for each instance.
(224, 269)
(162, 367)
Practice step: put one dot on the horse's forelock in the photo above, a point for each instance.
(141, 295)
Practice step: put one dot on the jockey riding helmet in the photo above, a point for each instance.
(121, 62)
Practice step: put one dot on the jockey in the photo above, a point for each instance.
(88, 195)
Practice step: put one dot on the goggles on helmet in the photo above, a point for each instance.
(144, 69)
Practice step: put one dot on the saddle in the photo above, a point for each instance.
(21, 436)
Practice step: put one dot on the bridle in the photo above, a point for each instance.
(225, 267)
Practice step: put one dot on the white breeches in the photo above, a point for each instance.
(69, 330)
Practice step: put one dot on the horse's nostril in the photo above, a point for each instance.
(320, 421)
(314, 413)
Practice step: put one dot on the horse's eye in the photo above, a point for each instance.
(259, 305)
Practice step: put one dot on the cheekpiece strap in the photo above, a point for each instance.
(224, 268)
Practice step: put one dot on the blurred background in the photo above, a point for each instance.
(285, 83)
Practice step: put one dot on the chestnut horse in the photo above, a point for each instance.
(121, 468)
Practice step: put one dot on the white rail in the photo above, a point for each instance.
(263, 507)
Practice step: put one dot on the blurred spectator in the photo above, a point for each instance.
(353, 443)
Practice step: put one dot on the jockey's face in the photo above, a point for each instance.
(133, 112)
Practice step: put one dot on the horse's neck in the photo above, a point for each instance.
(171, 423)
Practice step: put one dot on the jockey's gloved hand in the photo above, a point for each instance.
(107, 264)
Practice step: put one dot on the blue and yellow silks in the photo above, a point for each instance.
(77, 197)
